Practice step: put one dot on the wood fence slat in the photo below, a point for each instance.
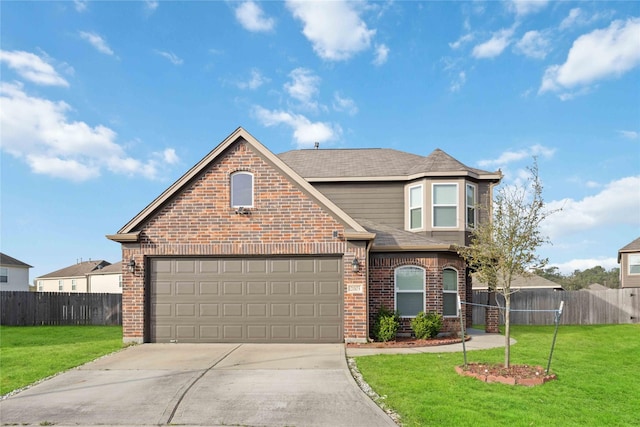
(59, 308)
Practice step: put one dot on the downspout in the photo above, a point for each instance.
(368, 253)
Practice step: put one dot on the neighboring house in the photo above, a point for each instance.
(629, 260)
(302, 247)
(14, 274)
(105, 280)
(595, 287)
(524, 283)
(69, 279)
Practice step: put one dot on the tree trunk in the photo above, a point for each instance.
(507, 330)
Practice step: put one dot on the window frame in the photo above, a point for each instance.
(634, 263)
(74, 285)
(4, 275)
(396, 291)
(474, 188)
(444, 205)
(449, 292)
(413, 207)
(232, 187)
(60, 285)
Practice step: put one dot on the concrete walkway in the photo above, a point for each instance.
(479, 341)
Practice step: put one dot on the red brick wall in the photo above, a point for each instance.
(382, 287)
(200, 221)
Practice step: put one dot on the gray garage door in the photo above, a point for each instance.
(246, 300)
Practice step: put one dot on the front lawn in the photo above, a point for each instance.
(30, 353)
(598, 383)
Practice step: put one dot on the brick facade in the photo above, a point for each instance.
(382, 286)
(200, 221)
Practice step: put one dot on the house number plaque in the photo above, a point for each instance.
(354, 289)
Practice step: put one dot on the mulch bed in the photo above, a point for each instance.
(401, 342)
(525, 375)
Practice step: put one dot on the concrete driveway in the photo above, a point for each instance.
(203, 384)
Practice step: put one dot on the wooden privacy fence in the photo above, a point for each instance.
(580, 307)
(59, 308)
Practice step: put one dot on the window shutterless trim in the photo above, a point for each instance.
(444, 205)
(450, 292)
(419, 206)
(412, 291)
(232, 178)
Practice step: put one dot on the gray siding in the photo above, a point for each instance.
(378, 202)
(627, 280)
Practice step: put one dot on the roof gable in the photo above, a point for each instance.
(631, 247)
(130, 232)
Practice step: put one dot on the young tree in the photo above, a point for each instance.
(505, 246)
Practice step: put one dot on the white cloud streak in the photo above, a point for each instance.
(526, 7)
(533, 44)
(515, 156)
(305, 132)
(346, 105)
(252, 18)
(494, 46)
(382, 54)
(172, 57)
(629, 134)
(334, 28)
(603, 53)
(97, 42)
(303, 87)
(38, 131)
(256, 80)
(31, 67)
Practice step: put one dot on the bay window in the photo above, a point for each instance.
(445, 205)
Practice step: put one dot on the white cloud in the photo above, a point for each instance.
(494, 46)
(38, 131)
(305, 132)
(170, 157)
(33, 68)
(601, 54)
(515, 156)
(617, 204)
(252, 17)
(151, 5)
(462, 41)
(346, 105)
(97, 42)
(575, 16)
(172, 57)
(526, 7)
(629, 134)
(578, 18)
(80, 5)
(382, 54)
(533, 44)
(256, 80)
(303, 87)
(569, 267)
(458, 82)
(334, 28)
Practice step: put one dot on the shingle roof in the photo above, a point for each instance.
(6, 260)
(372, 162)
(632, 247)
(524, 283)
(109, 269)
(389, 238)
(77, 270)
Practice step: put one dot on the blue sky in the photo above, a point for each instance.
(105, 104)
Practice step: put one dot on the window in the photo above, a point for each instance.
(40, 285)
(120, 281)
(450, 292)
(445, 205)
(634, 263)
(73, 284)
(4, 275)
(471, 206)
(415, 207)
(242, 190)
(60, 285)
(409, 290)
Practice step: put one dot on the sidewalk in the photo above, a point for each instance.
(479, 341)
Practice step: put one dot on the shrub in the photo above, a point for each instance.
(426, 325)
(386, 325)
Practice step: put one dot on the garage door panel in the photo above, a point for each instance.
(246, 300)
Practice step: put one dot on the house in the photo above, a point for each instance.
(105, 280)
(629, 260)
(523, 283)
(69, 279)
(301, 247)
(595, 287)
(14, 274)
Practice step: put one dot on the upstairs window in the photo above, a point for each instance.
(409, 290)
(73, 285)
(634, 264)
(449, 292)
(471, 205)
(415, 207)
(60, 285)
(242, 190)
(445, 205)
(4, 275)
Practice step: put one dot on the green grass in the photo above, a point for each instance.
(30, 353)
(598, 384)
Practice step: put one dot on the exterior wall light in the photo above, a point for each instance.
(132, 265)
(355, 265)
